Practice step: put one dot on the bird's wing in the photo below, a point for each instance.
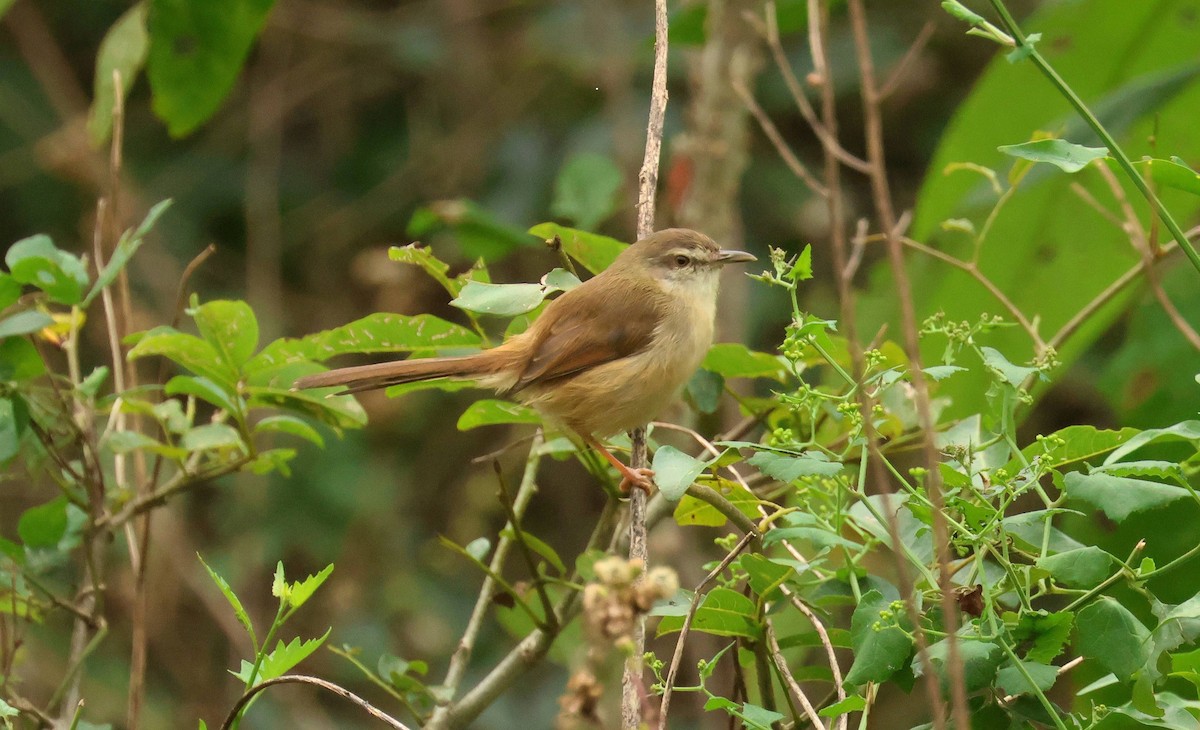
(588, 326)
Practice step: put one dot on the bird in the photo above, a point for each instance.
(604, 357)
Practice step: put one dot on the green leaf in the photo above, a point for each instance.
(290, 425)
(19, 360)
(480, 234)
(1112, 636)
(723, 612)
(341, 411)
(1083, 568)
(130, 242)
(377, 333)
(123, 49)
(489, 412)
(962, 12)
(881, 645)
(1186, 431)
(1162, 470)
(675, 471)
(206, 390)
(45, 525)
(765, 575)
(759, 718)
(302, 590)
(501, 300)
(124, 442)
(1170, 173)
(697, 512)
(980, 660)
(802, 269)
(477, 549)
(941, 372)
(1077, 443)
(788, 468)
(1013, 682)
(22, 323)
(197, 50)
(1064, 155)
(853, 703)
(14, 418)
(280, 661)
(593, 251)
(212, 436)
(417, 255)
(538, 546)
(37, 262)
(231, 328)
(7, 710)
(586, 190)
(1120, 497)
(1048, 632)
(705, 388)
(238, 610)
(1009, 373)
(10, 291)
(187, 350)
(734, 360)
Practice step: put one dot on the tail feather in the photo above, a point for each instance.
(382, 375)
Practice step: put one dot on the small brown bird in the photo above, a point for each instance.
(606, 356)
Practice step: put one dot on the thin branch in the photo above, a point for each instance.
(782, 666)
(881, 194)
(781, 147)
(514, 524)
(631, 679)
(462, 654)
(316, 682)
(890, 85)
(665, 706)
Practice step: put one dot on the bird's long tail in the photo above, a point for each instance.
(384, 374)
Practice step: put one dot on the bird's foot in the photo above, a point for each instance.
(641, 478)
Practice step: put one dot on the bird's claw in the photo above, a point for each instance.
(640, 477)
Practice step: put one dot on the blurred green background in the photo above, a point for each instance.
(360, 124)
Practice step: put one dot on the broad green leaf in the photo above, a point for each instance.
(675, 471)
(130, 242)
(212, 436)
(272, 460)
(197, 51)
(586, 190)
(697, 512)
(400, 672)
(538, 546)
(881, 644)
(1186, 431)
(941, 372)
(853, 703)
(38, 262)
(422, 256)
(302, 590)
(22, 323)
(1012, 374)
(123, 49)
(1083, 568)
(1112, 636)
(723, 612)
(45, 525)
(1120, 497)
(1170, 173)
(560, 280)
(489, 412)
(820, 536)
(1078, 443)
(234, 602)
(734, 360)
(704, 389)
(206, 390)
(477, 549)
(10, 291)
(1066, 156)
(839, 638)
(753, 716)
(1048, 633)
(19, 360)
(501, 300)
(802, 269)
(765, 575)
(1013, 682)
(376, 333)
(187, 350)
(14, 418)
(980, 660)
(594, 251)
(124, 442)
(231, 328)
(788, 468)
(1139, 75)
(290, 425)
(1177, 714)
(1162, 470)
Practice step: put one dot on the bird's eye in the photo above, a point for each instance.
(682, 260)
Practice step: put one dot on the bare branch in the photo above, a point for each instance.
(316, 682)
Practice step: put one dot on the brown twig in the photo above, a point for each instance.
(732, 555)
(631, 679)
(781, 147)
(781, 666)
(890, 85)
(316, 682)
(881, 194)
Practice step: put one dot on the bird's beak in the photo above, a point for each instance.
(730, 256)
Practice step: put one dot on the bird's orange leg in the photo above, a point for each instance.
(641, 477)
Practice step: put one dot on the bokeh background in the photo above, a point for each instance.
(351, 118)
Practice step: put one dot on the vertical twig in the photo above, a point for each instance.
(631, 680)
(881, 193)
